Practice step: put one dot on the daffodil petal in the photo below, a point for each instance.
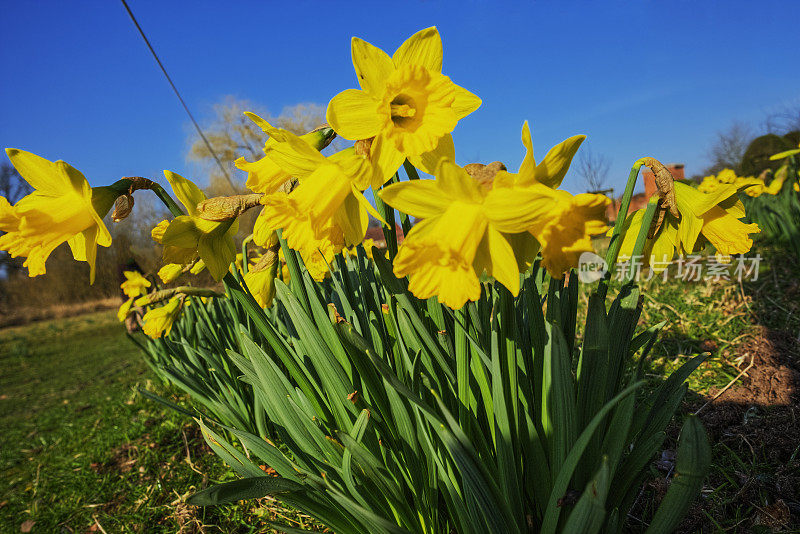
(455, 182)
(362, 200)
(419, 198)
(354, 115)
(350, 220)
(464, 102)
(554, 166)
(515, 210)
(385, 158)
(496, 257)
(218, 252)
(728, 234)
(44, 175)
(182, 232)
(527, 170)
(423, 48)
(372, 65)
(187, 192)
(428, 161)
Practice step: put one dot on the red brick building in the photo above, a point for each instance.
(639, 200)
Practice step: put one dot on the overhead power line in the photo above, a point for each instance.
(178, 94)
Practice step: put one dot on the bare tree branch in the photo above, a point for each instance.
(729, 147)
(594, 169)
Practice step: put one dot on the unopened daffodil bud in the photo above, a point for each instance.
(226, 208)
(123, 207)
(170, 272)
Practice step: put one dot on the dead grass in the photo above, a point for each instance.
(29, 314)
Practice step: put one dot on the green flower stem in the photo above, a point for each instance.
(245, 242)
(411, 171)
(616, 239)
(412, 174)
(171, 205)
(387, 212)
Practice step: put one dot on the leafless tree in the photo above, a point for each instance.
(729, 147)
(231, 135)
(594, 169)
(784, 120)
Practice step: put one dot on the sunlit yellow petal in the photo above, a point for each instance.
(43, 175)
(527, 170)
(372, 65)
(423, 48)
(187, 192)
(726, 233)
(263, 175)
(464, 102)
(552, 169)
(456, 183)
(353, 114)
(418, 198)
(515, 210)
(496, 257)
(385, 159)
(428, 161)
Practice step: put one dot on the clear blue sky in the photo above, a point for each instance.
(639, 78)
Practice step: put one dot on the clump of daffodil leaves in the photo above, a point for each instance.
(419, 386)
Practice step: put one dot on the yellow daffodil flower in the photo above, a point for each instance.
(709, 184)
(714, 216)
(777, 183)
(61, 208)
(327, 210)
(566, 233)
(125, 309)
(405, 103)
(461, 234)
(134, 284)
(213, 240)
(659, 251)
(159, 321)
(264, 175)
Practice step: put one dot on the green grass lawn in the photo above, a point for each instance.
(81, 450)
